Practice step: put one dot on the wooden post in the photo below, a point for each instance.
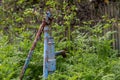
(119, 36)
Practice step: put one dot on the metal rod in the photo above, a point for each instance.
(45, 63)
(32, 48)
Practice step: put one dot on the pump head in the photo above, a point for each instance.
(48, 17)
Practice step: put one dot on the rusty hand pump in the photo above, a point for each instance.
(49, 62)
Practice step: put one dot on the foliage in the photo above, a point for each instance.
(89, 52)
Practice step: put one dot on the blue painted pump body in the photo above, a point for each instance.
(51, 56)
(49, 63)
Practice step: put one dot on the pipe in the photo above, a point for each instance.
(46, 47)
(62, 52)
(45, 64)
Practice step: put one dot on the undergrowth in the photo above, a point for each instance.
(89, 52)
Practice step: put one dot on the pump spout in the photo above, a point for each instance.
(62, 52)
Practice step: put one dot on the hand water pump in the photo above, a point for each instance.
(49, 62)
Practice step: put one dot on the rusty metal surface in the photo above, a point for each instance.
(62, 52)
(32, 48)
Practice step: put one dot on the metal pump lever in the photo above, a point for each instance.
(45, 22)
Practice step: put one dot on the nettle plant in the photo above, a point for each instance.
(96, 39)
(90, 57)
